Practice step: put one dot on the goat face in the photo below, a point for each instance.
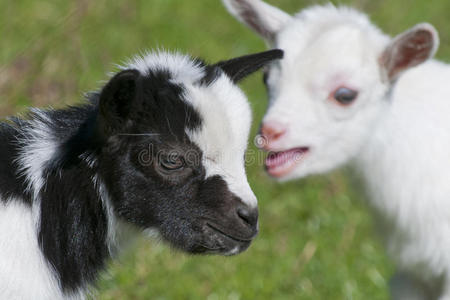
(175, 133)
(331, 88)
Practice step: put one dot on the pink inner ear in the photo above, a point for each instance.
(407, 51)
(253, 20)
(415, 50)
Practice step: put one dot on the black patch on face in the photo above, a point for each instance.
(223, 212)
(155, 105)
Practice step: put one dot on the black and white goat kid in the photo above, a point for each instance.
(160, 147)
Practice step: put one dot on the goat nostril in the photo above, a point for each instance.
(248, 215)
(277, 135)
(272, 132)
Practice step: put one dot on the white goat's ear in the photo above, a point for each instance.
(409, 49)
(263, 18)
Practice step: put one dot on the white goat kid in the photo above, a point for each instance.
(347, 93)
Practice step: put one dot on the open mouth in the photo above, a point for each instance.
(279, 164)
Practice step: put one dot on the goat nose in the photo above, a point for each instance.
(272, 131)
(248, 215)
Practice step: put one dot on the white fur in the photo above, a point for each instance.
(224, 133)
(182, 68)
(114, 225)
(404, 167)
(24, 274)
(397, 135)
(38, 148)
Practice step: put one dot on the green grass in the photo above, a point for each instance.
(316, 239)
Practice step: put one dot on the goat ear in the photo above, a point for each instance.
(264, 19)
(240, 67)
(409, 49)
(117, 97)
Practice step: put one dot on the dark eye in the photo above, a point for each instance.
(172, 163)
(345, 96)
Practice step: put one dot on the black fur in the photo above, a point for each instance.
(73, 227)
(121, 140)
(212, 73)
(73, 220)
(12, 184)
(83, 142)
(240, 67)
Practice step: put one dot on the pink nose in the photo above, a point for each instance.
(272, 131)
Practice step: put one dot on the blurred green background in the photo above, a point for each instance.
(316, 241)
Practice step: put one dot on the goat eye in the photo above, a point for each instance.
(172, 163)
(345, 96)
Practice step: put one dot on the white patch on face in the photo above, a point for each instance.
(181, 67)
(223, 136)
(325, 48)
(24, 272)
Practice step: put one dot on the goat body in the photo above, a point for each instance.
(403, 166)
(347, 93)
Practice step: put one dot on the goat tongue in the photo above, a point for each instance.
(281, 163)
